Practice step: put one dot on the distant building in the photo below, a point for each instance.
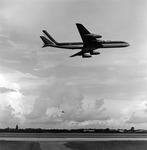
(140, 131)
(89, 130)
(121, 130)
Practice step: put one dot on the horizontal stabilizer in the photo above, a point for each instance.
(46, 41)
(49, 36)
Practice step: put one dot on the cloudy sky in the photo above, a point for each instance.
(45, 88)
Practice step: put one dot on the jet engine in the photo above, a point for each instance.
(86, 56)
(94, 53)
(93, 35)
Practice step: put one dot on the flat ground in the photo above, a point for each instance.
(26, 145)
(108, 145)
(74, 145)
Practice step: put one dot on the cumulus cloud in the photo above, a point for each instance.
(59, 96)
(137, 119)
(12, 103)
(145, 106)
(39, 110)
(5, 90)
(7, 117)
(139, 115)
(95, 111)
(63, 103)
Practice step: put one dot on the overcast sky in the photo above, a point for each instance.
(45, 88)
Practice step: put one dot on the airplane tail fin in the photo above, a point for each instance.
(50, 37)
(46, 41)
(82, 29)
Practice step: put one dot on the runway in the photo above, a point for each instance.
(65, 137)
(72, 139)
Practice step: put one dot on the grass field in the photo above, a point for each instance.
(19, 145)
(80, 145)
(107, 145)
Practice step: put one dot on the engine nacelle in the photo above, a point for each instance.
(93, 35)
(94, 53)
(86, 56)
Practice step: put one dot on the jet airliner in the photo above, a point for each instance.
(90, 43)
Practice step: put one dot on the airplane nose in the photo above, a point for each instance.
(127, 44)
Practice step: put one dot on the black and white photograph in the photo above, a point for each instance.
(73, 74)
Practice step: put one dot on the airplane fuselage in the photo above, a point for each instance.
(95, 45)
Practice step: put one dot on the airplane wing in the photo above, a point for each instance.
(77, 54)
(84, 55)
(89, 40)
(86, 36)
